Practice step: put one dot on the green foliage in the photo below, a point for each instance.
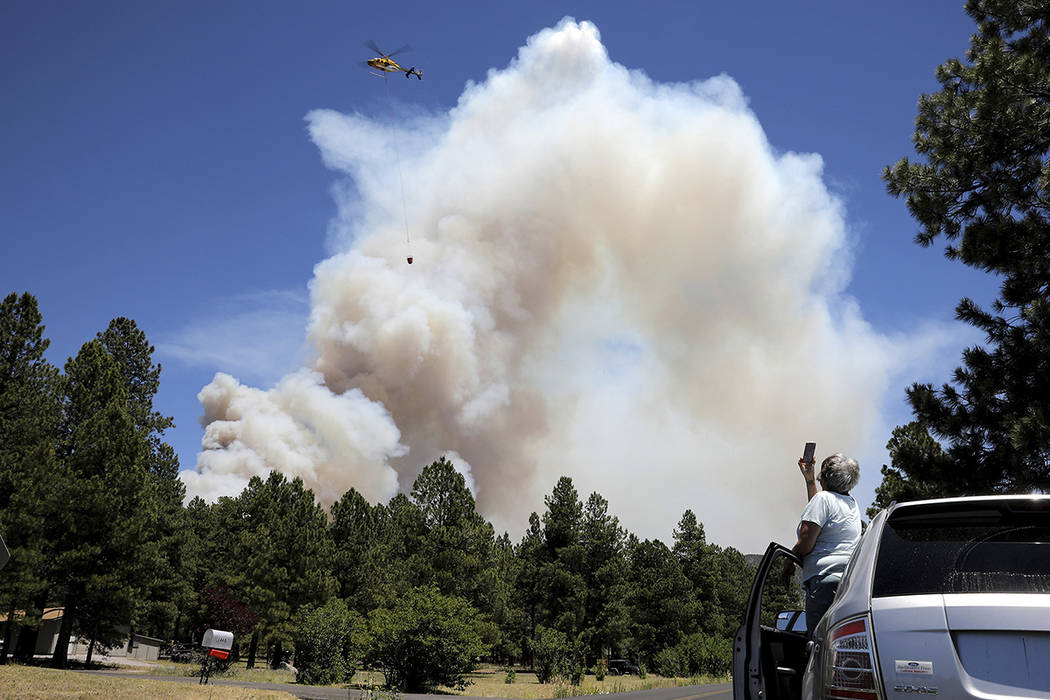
(669, 663)
(697, 654)
(363, 562)
(983, 183)
(605, 570)
(564, 561)
(328, 641)
(601, 667)
(274, 552)
(511, 677)
(557, 658)
(564, 516)
(912, 444)
(30, 411)
(575, 671)
(551, 653)
(456, 544)
(661, 599)
(103, 482)
(169, 588)
(424, 640)
(732, 576)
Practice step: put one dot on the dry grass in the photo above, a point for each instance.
(237, 672)
(37, 682)
(489, 682)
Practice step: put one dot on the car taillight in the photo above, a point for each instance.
(849, 673)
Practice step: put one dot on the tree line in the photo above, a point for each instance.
(91, 506)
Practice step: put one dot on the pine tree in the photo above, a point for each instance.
(103, 555)
(279, 556)
(456, 543)
(661, 599)
(562, 572)
(983, 183)
(605, 573)
(696, 559)
(29, 417)
(171, 591)
(529, 584)
(359, 561)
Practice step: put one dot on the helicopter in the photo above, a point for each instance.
(384, 63)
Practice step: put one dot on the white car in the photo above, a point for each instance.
(946, 598)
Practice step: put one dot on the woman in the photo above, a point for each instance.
(828, 531)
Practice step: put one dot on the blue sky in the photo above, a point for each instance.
(157, 163)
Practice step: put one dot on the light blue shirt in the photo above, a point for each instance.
(839, 520)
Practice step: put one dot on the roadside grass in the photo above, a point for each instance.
(489, 682)
(18, 681)
(236, 672)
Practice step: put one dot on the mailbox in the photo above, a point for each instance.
(217, 639)
(218, 643)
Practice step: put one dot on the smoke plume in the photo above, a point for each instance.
(614, 279)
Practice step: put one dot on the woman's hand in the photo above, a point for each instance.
(807, 473)
(807, 470)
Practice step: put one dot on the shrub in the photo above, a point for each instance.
(425, 640)
(574, 672)
(696, 654)
(669, 664)
(716, 657)
(550, 648)
(599, 670)
(511, 677)
(327, 641)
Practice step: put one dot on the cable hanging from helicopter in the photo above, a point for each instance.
(384, 64)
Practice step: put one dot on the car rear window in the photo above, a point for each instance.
(983, 547)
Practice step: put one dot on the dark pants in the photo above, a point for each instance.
(820, 592)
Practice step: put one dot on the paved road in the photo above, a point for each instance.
(721, 691)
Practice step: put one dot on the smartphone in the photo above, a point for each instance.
(809, 451)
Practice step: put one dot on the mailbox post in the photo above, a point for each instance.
(218, 644)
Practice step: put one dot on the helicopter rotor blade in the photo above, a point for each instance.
(404, 48)
(372, 45)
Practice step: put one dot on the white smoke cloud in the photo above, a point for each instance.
(300, 427)
(616, 280)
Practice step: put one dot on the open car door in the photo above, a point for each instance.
(768, 662)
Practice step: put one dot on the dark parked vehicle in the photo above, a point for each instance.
(183, 653)
(947, 598)
(621, 667)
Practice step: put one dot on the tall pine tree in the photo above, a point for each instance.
(29, 416)
(171, 591)
(983, 183)
(103, 561)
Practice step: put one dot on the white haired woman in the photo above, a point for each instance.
(828, 531)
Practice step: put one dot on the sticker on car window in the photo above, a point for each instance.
(924, 668)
